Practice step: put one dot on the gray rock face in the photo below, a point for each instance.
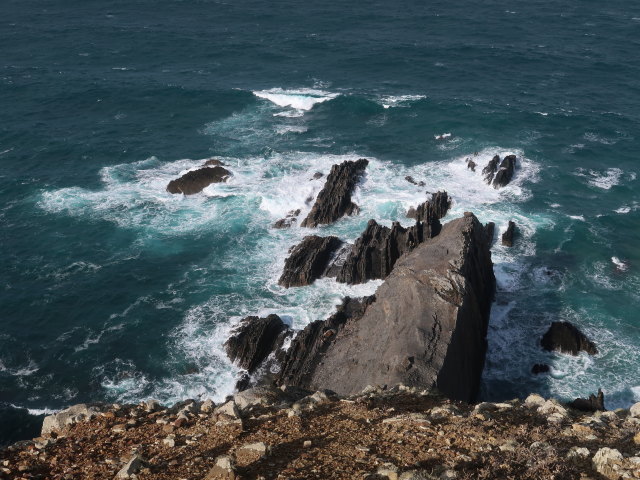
(334, 200)
(311, 342)
(254, 339)
(426, 327)
(196, 180)
(308, 260)
(376, 251)
(565, 337)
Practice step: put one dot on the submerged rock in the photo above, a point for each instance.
(309, 260)
(197, 180)
(427, 326)
(254, 339)
(540, 368)
(289, 220)
(505, 173)
(376, 251)
(565, 337)
(592, 404)
(411, 180)
(334, 200)
(507, 236)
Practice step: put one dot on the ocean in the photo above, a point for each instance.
(112, 289)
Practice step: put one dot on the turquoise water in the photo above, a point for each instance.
(114, 290)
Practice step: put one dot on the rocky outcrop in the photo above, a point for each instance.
(427, 326)
(289, 220)
(214, 162)
(594, 403)
(505, 172)
(57, 422)
(507, 236)
(310, 343)
(334, 200)
(565, 337)
(376, 251)
(471, 165)
(196, 180)
(254, 339)
(437, 207)
(490, 170)
(309, 260)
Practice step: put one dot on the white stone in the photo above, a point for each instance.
(606, 460)
(534, 400)
(635, 410)
(133, 466)
(58, 421)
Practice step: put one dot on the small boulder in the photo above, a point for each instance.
(224, 469)
(58, 421)
(133, 466)
(565, 337)
(317, 175)
(634, 411)
(489, 171)
(214, 162)
(607, 461)
(411, 180)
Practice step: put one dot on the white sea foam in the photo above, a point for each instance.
(577, 217)
(36, 411)
(298, 99)
(605, 180)
(620, 264)
(391, 101)
(23, 371)
(442, 136)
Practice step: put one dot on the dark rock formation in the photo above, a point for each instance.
(471, 165)
(505, 173)
(490, 170)
(317, 175)
(540, 368)
(592, 404)
(196, 180)
(287, 221)
(254, 339)
(427, 326)
(507, 236)
(438, 206)
(308, 260)
(214, 162)
(565, 337)
(376, 251)
(410, 179)
(334, 200)
(310, 343)
(490, 229)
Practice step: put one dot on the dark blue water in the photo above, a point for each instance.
(113, 290)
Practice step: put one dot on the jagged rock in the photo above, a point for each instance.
(133, 466)
(289, 220)
(197, 180)
(507, 236)
(58, 421)
(505, 173)
(311, 342)
(309, 260)
(607, 462)
(592, 404)
(436, 208)
(224, 469)
(207, 406)
(260, 395)
(432, 309)
(334, 200)
(490, 170)
(540, 368)
(376, 251)
(565, 337)
(229, 409)
(471, 165)
(254, 339)
(490, 229)
(411, 180)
